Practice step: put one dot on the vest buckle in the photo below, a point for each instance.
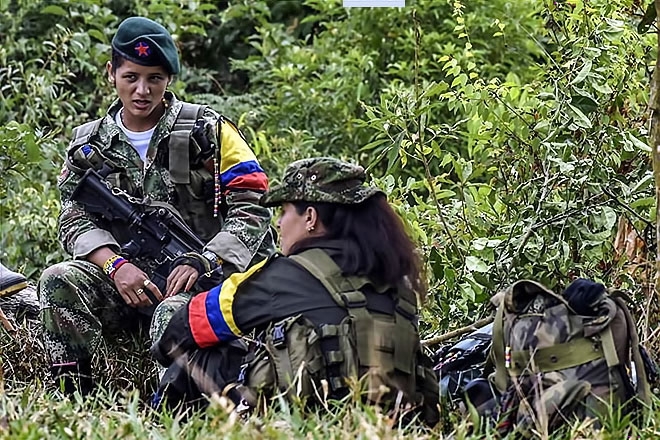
(279, 335)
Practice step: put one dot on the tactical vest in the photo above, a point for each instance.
(194, 187)
(383, 350)
(552, 364)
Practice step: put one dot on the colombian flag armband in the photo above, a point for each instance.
(210, 313)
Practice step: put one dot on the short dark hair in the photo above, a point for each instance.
(374, 241)
(117, 61)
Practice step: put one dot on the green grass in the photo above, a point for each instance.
(30, 408)
(35, 412)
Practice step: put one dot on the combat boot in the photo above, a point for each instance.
(10, 281)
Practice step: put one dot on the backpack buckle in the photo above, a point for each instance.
(279, 335)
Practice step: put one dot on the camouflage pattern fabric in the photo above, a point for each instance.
(164, 312)
(77, 299)
(321, 179)
(78, 302)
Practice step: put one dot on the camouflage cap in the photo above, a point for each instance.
(321, 179)
(145, 42)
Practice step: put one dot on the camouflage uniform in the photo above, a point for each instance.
(77, 298)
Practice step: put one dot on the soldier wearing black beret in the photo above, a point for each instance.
(170, 153)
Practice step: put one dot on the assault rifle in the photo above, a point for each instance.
(155, 231)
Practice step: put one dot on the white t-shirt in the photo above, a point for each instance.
(139, 139)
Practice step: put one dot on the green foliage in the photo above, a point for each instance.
(509, 135)
(36, 412)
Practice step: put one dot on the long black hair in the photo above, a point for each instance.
(374, 241)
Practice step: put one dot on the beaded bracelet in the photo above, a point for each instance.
(112, 264)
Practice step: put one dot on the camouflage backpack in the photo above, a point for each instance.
(383, 350)
(557, 358)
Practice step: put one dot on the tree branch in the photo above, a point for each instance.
(458, 332)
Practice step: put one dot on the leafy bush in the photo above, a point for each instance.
(509, 135)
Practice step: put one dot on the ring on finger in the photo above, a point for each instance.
(140, 292)
(147, 282)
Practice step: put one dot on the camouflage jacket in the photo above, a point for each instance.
(239, 237)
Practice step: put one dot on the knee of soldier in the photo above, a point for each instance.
(52, 280)
(164, 312)
(170, 305)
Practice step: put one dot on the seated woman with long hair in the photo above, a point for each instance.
(337, 306)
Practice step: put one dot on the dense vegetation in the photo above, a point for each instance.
(510, 135)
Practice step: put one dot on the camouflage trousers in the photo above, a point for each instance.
(164, 312)
(78, 305)
(161, 318)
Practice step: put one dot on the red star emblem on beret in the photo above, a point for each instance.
(142, 49)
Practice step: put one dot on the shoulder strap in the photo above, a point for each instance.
(643, 387)
(344, 290)
(346, 293)
(83, 133)
(179, 146)
(188, 115)
(498, 350)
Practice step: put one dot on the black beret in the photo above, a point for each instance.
(145, 42)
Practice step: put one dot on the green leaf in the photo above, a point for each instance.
(372, 145)
(644, 202)
(467, 291)
(639, 143)
(447, 158)
(54, 10)
(604, 88)
(32, 149)
(95, 33)
(582, 74)
(449, 276)
(445, 194)
(393, 154)
(580, 118)
(480, 243)
(475, 264)
(463, 169)
(585, 103)
(610, 217)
